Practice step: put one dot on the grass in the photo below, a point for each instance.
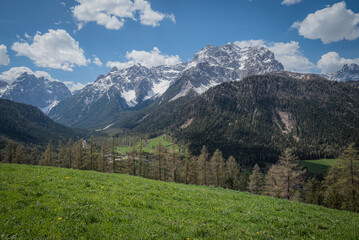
(149, 146)
(318, 166)
(54, 203)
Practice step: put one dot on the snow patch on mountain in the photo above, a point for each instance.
(348, 73)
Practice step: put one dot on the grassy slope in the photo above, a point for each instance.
(318, 166)
(45, 202)
(150, 145)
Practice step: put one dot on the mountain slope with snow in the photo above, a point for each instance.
(348, 73)
(100, 103)
(37, 91)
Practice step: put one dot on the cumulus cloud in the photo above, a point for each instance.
(112, 13)
(13, 73)
(332, 62)
(290, 2)
(74, 86)
(331, 24)
(4, 58)
(55, 49)
(288, 54)
(97, 61)
(148, 59)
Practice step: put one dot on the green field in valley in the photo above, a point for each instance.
(149, 146)
(318, 166)
(54, 203)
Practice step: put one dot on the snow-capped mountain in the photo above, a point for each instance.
(348, 73)
(37, 91)
(137, 86)
(217, 64)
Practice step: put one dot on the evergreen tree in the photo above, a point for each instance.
(61, 155)
(232, 173)
(243, 181)
(203, 166)
(113, 156)
(313, 191)
(92, 153)
(20, 154)
(217, 169)
(103, 156)
(48, 156)
(34, 156)
(79, 155)
(284, 178)
(256, 180)
(69, 155)
(342, 182)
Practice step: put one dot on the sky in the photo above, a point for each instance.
(74, 41)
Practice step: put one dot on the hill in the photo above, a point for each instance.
(45, 202)
(28, 124)
(256, 118)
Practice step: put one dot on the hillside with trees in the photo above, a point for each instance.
(257, 118)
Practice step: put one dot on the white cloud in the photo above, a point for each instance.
(55, 49)
(13, 73)
(112, 13)
(250, 43)
(148, 59)
(332, 62)
(4, 58)
(331, 24)
(290, 2)
(288, 54)
(97, 61)
(74, 86)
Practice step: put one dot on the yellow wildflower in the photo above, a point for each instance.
(59, 218)
(67, 177)
(102, 186)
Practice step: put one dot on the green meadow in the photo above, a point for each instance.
(318, 166)
(54, 203)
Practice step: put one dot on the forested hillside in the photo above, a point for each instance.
(28, 124)
(258, 117)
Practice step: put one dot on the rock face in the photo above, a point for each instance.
(137, 86)
(217, 64)
(36, 91)
(348, 73)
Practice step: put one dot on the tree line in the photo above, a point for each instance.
(285, 179)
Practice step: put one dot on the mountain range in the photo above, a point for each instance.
(25, 123)
(138, 86)
(37, 91)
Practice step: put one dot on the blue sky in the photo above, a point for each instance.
(31, 33)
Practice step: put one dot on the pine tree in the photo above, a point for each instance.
(217, 169)
(20, 154)
(34, 156)
(313, 191)
(69, 156)
(203, 166)
(284, 178)
(61, 155)
(48, 156)
(232, 173)
(140, 160)
(79, 155)
(256, 180)
(92, 153)
(342, 182)
(103, 156)
(243, 181)
(113, 156)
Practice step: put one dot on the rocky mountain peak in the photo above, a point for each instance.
(348, 73)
